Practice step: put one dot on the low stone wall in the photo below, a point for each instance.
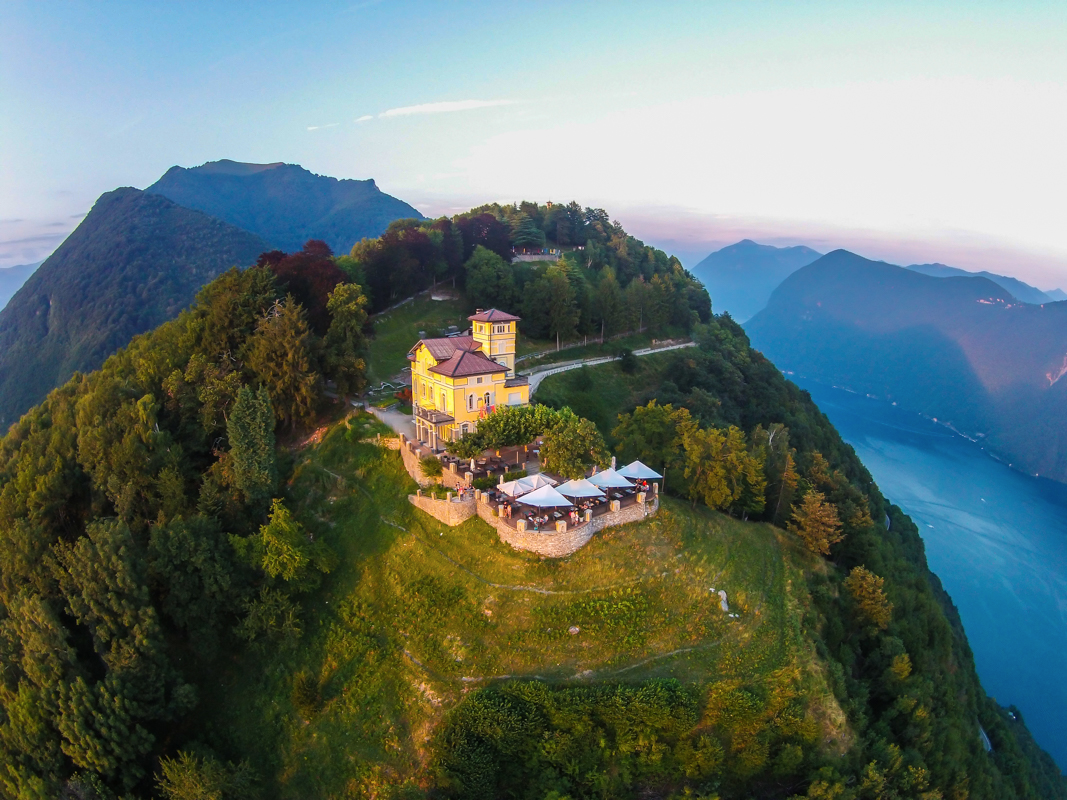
(558, 544)
(450, 512)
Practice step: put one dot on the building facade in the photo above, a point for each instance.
(457, 380)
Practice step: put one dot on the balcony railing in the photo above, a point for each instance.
(433, 417)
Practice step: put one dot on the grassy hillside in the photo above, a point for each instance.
(418, 615)
(135, 261)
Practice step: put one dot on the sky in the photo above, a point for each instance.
(910, 132)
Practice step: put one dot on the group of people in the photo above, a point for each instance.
(505, 510)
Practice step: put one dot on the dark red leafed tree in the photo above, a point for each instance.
(309, 276)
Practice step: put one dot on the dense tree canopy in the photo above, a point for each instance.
(135, 541)
(606, 282)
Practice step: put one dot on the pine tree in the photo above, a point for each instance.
(251, 432)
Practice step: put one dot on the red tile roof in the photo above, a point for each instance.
(468, 362)
(442, 349)
(493, 315)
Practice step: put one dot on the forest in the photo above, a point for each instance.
(605, 283)
(150, 540)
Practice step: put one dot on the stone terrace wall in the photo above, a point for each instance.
(450, 512)
(554, 544)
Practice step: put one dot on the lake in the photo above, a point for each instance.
(996, 538)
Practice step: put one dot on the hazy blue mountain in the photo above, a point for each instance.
(961, 349)
(284, 203)
(135, 261)
(12, 278)
(1056, 295)
(741, 277)
(1021, 291)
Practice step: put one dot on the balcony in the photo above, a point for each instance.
(433, 417)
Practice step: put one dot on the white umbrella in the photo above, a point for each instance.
(639, 471)
(579, 488)
(514, 488)
(609, 479)
(531, 482)
(544, 497)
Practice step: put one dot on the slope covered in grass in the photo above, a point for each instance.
(418, 615)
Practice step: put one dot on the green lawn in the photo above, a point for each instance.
(396, 331)
(602, 392)
(417, 614)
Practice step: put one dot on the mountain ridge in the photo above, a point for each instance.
(285, 204)
(960, 349)
(1020, 289)
(741, 276)
(133, 262)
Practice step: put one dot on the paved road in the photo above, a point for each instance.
(401, 423)
(538, 375)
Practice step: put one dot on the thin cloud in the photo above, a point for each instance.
(365, 117)
(323, 127)
(445, 107)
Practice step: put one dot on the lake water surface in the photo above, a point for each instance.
(996, 538)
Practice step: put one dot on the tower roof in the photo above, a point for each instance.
(493, 315)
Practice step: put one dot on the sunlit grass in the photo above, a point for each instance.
(417, 614)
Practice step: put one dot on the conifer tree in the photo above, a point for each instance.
(869, 596)
(816, 522)
(251, 432)
(281, 355)
(344, 339)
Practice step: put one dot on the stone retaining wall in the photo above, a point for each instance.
(450, 512)
(558, 544)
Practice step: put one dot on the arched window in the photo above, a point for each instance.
(463, 429)
(487, 399)
(443, 406)
(470, 402)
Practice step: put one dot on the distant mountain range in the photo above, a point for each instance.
(135, 261)
(138, 258)
(741, 277)
(12, 278)
(961, 349)
(285, 204)
(1019, 290)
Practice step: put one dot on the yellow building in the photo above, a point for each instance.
(458, 379)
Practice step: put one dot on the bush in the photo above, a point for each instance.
(492, 480)
(627, 361)
(431, 467)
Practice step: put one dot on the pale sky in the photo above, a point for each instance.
(904, 131)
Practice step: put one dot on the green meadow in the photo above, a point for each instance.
(416, 616)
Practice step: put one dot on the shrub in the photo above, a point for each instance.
(431, 467)
(490, 481)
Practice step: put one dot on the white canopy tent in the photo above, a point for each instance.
(544, 497)
(609, 479)
(639, 471)
(513, 488)
(579, 488)
(537, 481)
(518, 488)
